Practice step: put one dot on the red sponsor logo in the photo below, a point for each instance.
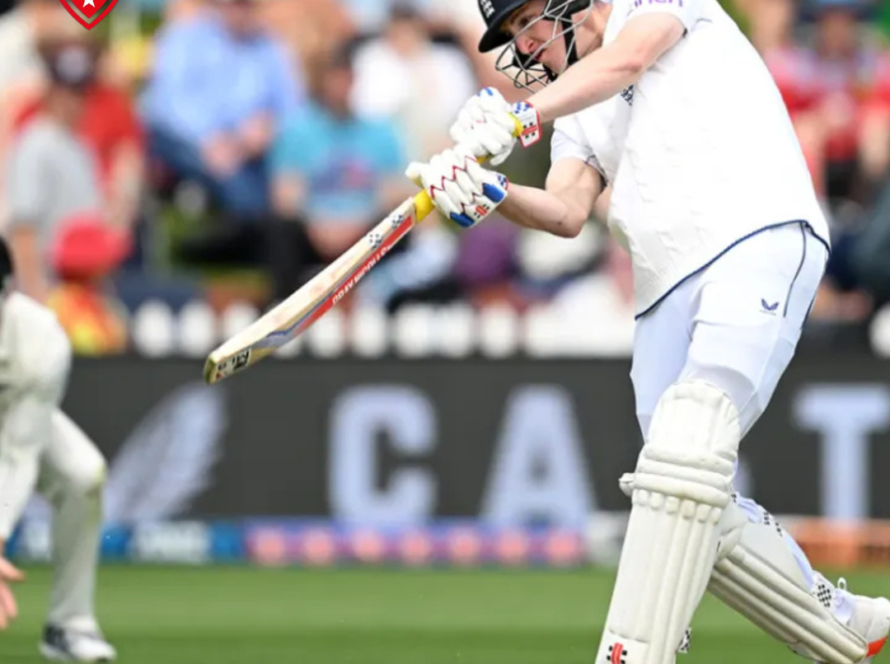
(617, 652)
(89, 13)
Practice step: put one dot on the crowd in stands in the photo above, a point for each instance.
(224, 151)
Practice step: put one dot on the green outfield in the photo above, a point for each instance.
(247, 616)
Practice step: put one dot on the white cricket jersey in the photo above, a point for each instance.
(34, 359)
(700, 153)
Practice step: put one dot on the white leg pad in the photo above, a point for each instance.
(757, 575)
(682, 484)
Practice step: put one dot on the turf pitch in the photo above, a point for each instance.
(252, 616)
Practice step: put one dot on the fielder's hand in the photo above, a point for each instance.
(490, 126)
(459, 187)
(8, 608)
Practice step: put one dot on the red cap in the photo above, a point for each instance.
(87, 247)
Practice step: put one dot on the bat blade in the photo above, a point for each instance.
(297, 313)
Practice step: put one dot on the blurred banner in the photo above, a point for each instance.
(403, 443)
(478, 462)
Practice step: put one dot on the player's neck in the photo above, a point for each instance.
(592, 28)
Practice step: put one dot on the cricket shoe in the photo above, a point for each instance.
(871, 620)
(68, 645)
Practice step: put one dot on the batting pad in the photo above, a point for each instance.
(760, 579)
(681, 486)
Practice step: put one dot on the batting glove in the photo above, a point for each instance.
(490, 126)
(459, 187)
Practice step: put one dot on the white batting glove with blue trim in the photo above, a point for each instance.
(488, 124)
(459, 187)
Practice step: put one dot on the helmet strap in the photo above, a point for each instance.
(571, 46)
(568, 34)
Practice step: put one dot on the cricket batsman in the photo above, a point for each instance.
(663, 109)
(41, 448)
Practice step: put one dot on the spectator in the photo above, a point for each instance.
(848, 70)
(596, 312)
(221, 85)
(795, 71)
(20, 31)
(86, 251)
(486, 264)
(311, 30)
(404, 76)
(832, 91)
(465, 20)
(178, 10)
(111, 128)
(21, 68)
(370, 15)
(52, 173)
(335, 175)
(874, 130)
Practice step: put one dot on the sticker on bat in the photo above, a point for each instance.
(233, 364)
(375, 239)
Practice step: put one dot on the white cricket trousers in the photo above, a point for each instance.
(71, 475)
(736, 325)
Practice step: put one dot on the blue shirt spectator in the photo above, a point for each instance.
(341, 163)
(337, 173)
(220, 88)
(335, 176)
(207, 80)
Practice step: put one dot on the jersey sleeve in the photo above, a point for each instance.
(689, 12)
(569, 143)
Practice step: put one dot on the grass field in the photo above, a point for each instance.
(250, 616)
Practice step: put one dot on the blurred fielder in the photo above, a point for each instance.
(667, 106)
(41, 448)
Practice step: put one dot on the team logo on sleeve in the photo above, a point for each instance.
(628, 95)
(89, 13)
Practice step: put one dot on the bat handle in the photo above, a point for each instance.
(423, 204)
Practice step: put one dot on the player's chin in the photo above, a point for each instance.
(555, 64)
(557, 68)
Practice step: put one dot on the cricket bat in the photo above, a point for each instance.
(299, 311)
(294, 315)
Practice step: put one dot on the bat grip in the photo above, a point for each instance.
(423, 204)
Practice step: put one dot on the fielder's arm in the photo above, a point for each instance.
(573, 194)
